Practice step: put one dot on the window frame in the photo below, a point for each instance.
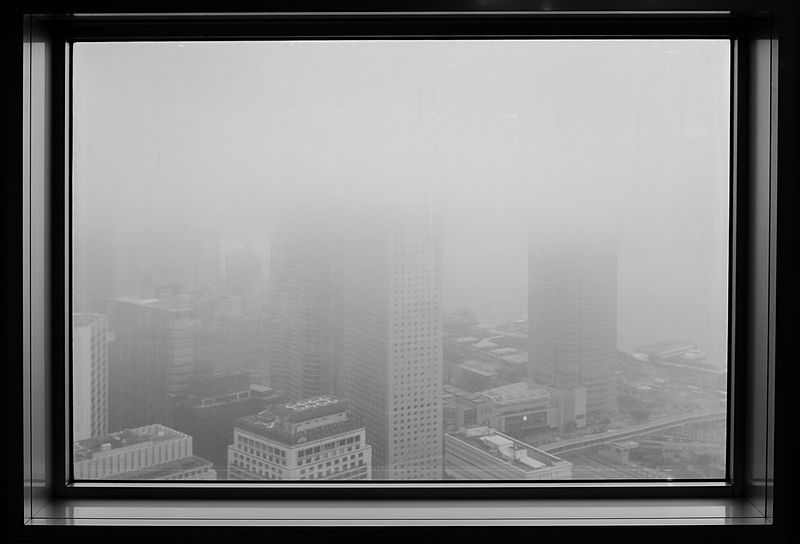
(755, 160)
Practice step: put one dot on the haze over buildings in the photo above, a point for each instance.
(287, 223)
(572, 315)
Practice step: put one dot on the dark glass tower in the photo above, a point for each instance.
(572, 311)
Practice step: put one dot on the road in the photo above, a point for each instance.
(574, 444)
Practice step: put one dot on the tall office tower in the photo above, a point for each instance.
(572, 312)
(314, 439)
(303, 310)
(89, 375)
(391, 350)
(242, 278)
(153, 359)
(151, 452)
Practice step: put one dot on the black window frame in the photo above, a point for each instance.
(763, 140)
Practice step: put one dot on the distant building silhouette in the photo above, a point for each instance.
(90, 345)
(242, 277)
(153, 359)
(302, 322)
(211, 406)
(572, 308)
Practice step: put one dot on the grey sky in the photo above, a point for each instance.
(512, 133)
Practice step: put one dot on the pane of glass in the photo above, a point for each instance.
(400, 260)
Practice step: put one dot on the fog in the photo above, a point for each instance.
(513, 139)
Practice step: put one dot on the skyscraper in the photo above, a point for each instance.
(391, 350)
(303, 310)
(572, 312)
(153, 360)
(89, 375)
(242, 277)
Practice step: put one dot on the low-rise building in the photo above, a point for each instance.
(151, 452)
(618, 451)
(481, 453)
(313, 439)
(515, 408)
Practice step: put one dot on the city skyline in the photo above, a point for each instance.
(416, 243)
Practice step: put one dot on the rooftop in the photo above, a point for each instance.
(164, 470)
(82, 320)
(485, 344)
(456, 392)
(520, 358)
(517, 393)
(272, 423)
(505, 351)
(173, 303)
(479, 367)
(506, 449)
(86, 449)
(219, 384)
(666, 348)
(312, 408)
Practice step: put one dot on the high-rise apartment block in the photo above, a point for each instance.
(90, 345)
(314, 439)
(152, 452)
(572, 312)
(391, 350)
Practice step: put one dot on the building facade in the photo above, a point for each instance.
(151, 452)
(90, 345)
(303, 311)
(391, 351)
(314, 439)
(515, 408)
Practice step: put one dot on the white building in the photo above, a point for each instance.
(481, 453)
(152, 452)
(392, 338)
(313, 439)
(89, 375)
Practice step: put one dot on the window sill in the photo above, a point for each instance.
(618, 512)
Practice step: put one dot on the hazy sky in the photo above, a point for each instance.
(512, 135)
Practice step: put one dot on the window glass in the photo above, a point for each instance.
(432, 260)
